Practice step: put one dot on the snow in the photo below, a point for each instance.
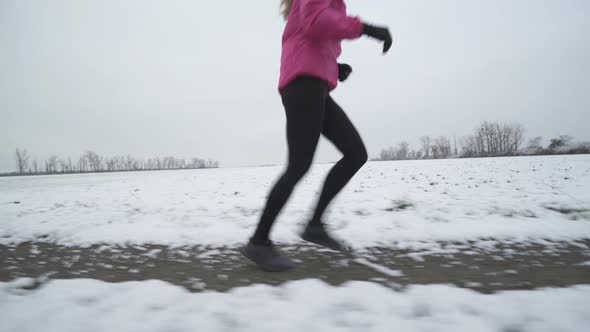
(406, 204)
(307, 305)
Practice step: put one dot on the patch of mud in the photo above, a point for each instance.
(499, 267)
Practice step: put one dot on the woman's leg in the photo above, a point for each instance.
(342, 133)
(305, 103)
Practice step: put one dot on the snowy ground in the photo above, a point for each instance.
(406, 203)
(484, 224)
(307, 305)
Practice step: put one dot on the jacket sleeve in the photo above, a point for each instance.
(322, 21)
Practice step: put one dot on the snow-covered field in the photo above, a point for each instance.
(310, 305)
(413, 205)
(407, 203)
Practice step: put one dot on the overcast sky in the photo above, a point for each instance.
(198, 78)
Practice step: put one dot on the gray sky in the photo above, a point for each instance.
(198, 78)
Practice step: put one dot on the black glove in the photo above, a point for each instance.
(380, 33)
(343, 71)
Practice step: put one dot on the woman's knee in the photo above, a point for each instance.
(296, 170)
(357, 158)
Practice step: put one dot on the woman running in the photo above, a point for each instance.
(309, 71)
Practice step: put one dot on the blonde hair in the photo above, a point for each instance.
(286, 8)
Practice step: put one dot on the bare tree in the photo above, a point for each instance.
(425, 142)
(94, 161)
(63, 165)
(402, 151)
(469, 146)
(22, 160)
(83, 164)
(581, 147)
(534, 145)
(110, 163)
(51, 164)
(435, 151)
(129, 161)
(120, 163)
(502, 135)
(198, 163)
(518, 137)
(560, 142)
(495, 139)
(388, 154)
(443, 147)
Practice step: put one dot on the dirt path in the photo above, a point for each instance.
(502, 267)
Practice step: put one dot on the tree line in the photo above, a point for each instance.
(490, 139)
(91, 162)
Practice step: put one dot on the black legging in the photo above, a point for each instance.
(310, 112)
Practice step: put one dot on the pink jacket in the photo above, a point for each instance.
(312, 37)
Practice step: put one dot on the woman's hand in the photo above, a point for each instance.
(344, 71)
(379, 33)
